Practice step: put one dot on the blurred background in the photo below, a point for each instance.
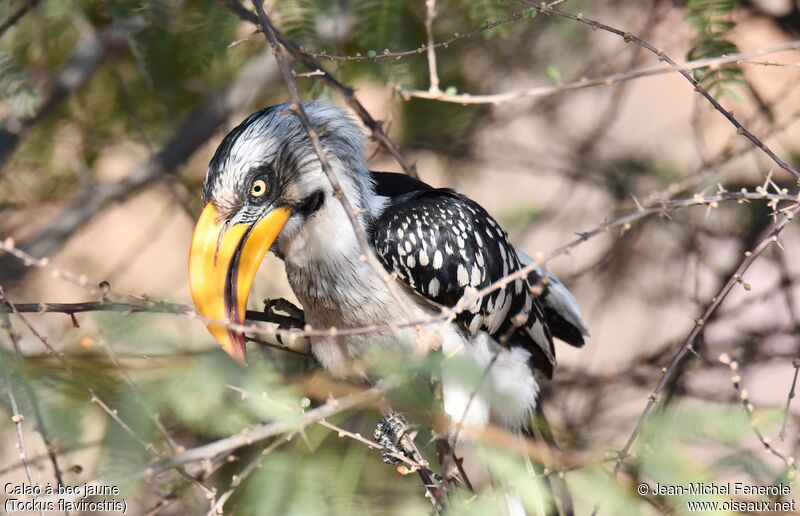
(111, 110)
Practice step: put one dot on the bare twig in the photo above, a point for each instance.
(17, 15)
(52, 454)
(789, 398)
(605, 80)
(744, 398)
(261, 432)
(770, 63)
(662, 56)
(17, 418)
(458, 36)
(687, 345)
(375, 127)
(430, 10)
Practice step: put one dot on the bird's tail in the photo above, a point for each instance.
(561, 309)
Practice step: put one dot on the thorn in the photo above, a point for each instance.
(639, 206)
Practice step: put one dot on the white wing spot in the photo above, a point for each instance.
(476, 276)
(423, 258)
(437, 259)
(475, 324)
(463, 277)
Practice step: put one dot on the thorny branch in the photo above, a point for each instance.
(744, 397)
(624, 223)
(605, 80)
(430, 10)
(687, 346)
(299, 111)
(789, 398)
(628, 38)
(5, 323)
(375, 127)
(17, 419)
(17, 15)
(261, 432)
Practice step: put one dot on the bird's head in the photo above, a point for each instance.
(264, 182)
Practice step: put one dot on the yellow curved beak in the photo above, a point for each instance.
(223, 261)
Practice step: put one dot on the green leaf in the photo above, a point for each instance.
(712, 22)
(554, 73)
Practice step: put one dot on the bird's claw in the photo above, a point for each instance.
(389, 433)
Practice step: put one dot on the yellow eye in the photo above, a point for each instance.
(258, 188)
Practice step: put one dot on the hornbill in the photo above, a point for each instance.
(265, 190)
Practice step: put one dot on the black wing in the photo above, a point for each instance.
(445, 246)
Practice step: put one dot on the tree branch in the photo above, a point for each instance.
(375, 127)
(195, 130)
(17, 15)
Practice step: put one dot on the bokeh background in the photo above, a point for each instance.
(111, 110)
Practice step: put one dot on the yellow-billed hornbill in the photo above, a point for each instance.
(265, 190)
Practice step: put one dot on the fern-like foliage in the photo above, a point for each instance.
(298, 20)
(14, 86)
(382, 25)
(712, 22)
(486, 11)
(379, 24)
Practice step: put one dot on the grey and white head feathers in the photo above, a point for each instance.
(272, 144)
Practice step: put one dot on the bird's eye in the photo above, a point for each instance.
(258, 188)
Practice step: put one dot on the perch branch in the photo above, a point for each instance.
(624, 223)
(264, 431)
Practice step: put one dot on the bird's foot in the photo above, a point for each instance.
(390, 433)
